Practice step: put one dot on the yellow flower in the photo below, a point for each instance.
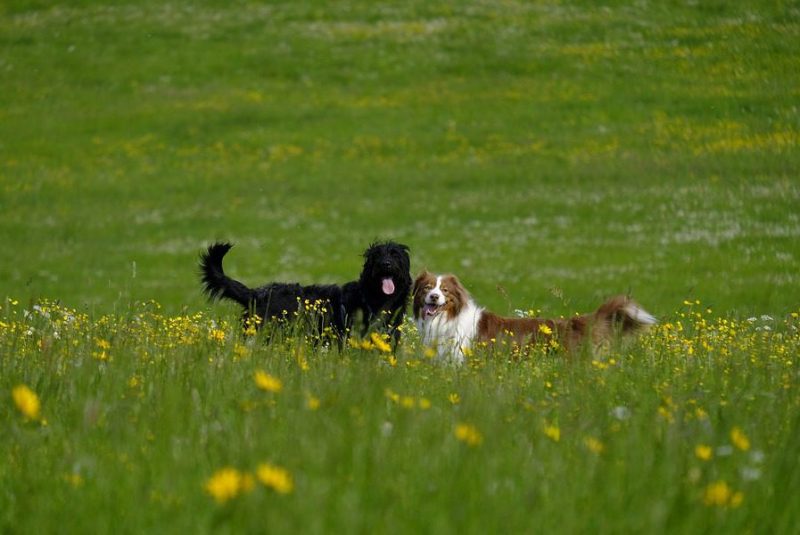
(719, 494)
(74, 480)
(274, 477)
(739, 439)
(216, 335)
(312, 402)
(265, 381)
(227, 483)
(454, 398)
(703, 452)
(594, 445)
(544, 329)
(552, 432)
(468, 434)
(26, 401)
(380, 343)
(240, 351)
(429, 352)
(424, 403)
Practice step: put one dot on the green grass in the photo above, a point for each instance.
(549, 153)
(141, 410)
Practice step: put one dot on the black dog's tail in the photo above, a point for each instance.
(218, 285)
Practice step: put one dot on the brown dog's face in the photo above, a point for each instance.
(434, 294)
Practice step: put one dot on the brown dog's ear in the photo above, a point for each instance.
(456, 288)
(421, 280)
(416, 294)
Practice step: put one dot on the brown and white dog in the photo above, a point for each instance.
(448, 319)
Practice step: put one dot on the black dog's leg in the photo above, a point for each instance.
(395, 323)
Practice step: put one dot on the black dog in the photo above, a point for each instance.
(380, 293)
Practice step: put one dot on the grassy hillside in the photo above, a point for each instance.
(549, 148)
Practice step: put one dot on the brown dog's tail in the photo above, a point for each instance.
(624, 314)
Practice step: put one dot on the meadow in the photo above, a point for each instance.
(550, 153)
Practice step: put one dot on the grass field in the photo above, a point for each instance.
(550, 153)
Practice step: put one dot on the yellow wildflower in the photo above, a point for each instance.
(216, 335)
(26, 401)
(719, 494)
(544, 329)
(265, 381)
(74, 480)
(468, 434)
(240, 351)
(703, 452)
(380, 342)
(274, 477)
(429, 352)
(552, 432)
(594, 445)
(454, 398)
(739, 439)
(424, 403)
(227, 483)
(312, 402)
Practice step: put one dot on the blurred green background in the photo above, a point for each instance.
(550, 153)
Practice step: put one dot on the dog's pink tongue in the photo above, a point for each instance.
(388, 286)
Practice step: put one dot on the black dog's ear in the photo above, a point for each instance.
(370, 250)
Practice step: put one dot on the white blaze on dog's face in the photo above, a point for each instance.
(434, 294)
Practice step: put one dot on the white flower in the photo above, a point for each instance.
(750, 473)
(387, 428)
(621, 412)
